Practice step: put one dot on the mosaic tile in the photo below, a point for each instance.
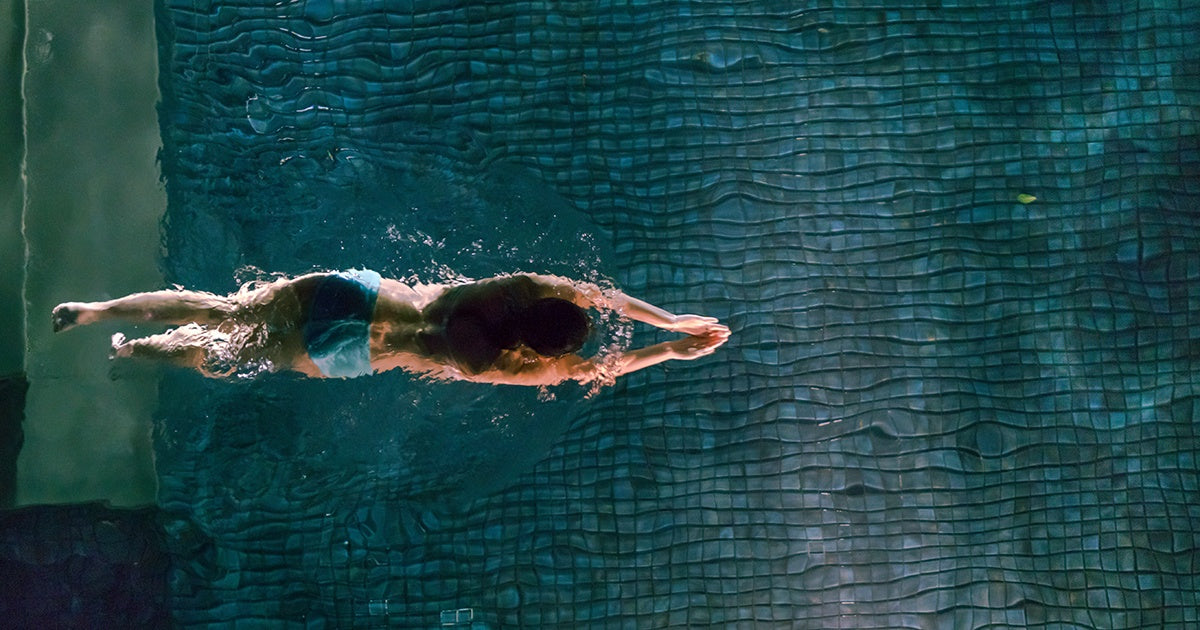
(941, 407)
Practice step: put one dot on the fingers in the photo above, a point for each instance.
(718, 334)
(698, 325)
(696, 346)
(695, 352)
(713, 337)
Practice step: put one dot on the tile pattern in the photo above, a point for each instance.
(957, 243)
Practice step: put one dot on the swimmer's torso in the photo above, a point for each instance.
(407, 316)
(398, 322)
(405, 325)
(393, 333)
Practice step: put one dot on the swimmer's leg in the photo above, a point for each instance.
(168, 307)
(281, 301)
(167, 347)
(186, 347)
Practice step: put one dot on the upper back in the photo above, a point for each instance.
(493, 299)
(472, 324)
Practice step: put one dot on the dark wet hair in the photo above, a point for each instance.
(477, 326)
(553, 327)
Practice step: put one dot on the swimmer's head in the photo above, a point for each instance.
(553, 327)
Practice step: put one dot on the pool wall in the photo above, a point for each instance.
(956, 242)
(12, 249)
(91, 215)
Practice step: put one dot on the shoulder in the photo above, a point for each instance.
(415, 295)
(490, 292)
(516, 283)
(583, 294)
(522, 366)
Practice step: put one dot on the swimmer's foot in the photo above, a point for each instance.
(64, 316)
(69, 315)
(120, 349)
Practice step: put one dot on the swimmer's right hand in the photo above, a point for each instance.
(696, 346)
(696, 325)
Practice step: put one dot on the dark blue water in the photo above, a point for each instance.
(957, 244)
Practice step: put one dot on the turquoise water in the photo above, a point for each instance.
(956, 243)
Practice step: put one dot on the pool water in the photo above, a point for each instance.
(956, 243)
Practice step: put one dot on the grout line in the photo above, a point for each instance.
(23, 178)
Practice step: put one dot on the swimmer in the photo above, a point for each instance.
(521, 329)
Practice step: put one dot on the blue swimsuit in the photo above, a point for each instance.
(338, 332)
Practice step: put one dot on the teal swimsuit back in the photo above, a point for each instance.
(337, 334)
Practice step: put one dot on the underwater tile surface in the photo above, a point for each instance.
(958, 245)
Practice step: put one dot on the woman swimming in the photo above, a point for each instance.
(523, 329)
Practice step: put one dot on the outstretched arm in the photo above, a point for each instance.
(588, 295)
(573, 367)
(645, 312)
(686, 349)
(513, 370)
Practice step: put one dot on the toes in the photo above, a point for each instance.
(119, 349)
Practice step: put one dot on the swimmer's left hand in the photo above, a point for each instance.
(697, 325)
